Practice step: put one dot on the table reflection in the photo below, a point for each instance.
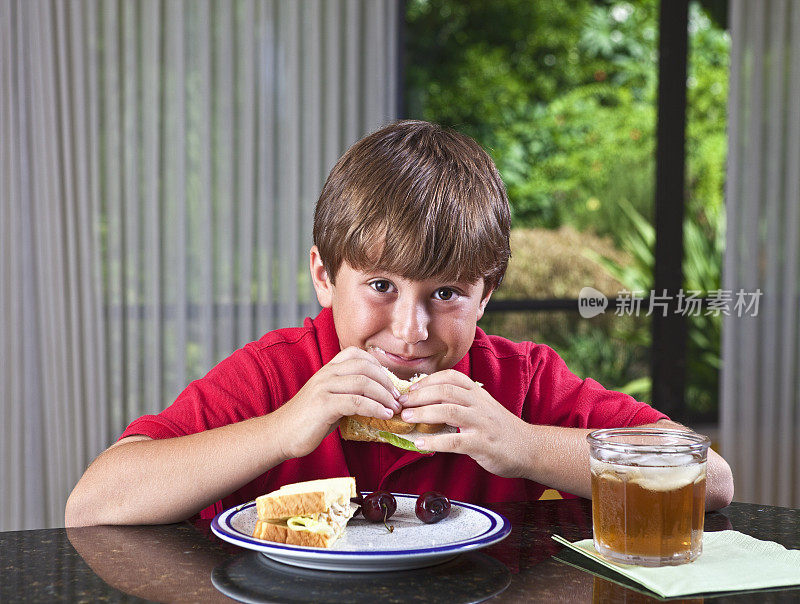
(470, 577)
(170, 563)
(604, 591)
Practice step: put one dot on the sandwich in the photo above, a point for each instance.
(393, 430)
(313, 513)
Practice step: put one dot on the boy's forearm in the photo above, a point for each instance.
(559, 458)
(169, 480)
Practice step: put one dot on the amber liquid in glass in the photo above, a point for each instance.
(650, 516)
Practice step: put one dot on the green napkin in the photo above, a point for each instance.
(731, 561)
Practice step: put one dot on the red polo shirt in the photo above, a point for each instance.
(529, 379)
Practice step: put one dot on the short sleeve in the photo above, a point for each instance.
(559, 397)
(237, 388)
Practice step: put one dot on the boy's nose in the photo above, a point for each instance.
(410, 323)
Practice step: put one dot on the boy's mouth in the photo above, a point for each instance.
(397, 359)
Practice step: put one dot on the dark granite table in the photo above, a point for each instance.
(187, 563)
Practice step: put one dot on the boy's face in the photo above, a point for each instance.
(409, 326)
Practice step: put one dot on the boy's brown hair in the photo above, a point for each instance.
(419, 201)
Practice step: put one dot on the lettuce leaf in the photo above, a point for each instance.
(403, 443)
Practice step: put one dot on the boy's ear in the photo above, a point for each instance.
(319, 277)
(483, 303)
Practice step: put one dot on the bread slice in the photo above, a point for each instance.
(279, 532)
(400, 434)
(429, 428)
(393, 424)
(403, 385)
(306, 498)
(360, 427)
(311, 513)
(351, 428)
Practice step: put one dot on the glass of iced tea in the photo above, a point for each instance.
(648, 494)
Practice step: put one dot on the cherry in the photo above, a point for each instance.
(379, 506)
(432, 507)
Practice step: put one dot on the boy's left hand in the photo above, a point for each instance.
(488, 432)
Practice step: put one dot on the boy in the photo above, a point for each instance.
(411, 237)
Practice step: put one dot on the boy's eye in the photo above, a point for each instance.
(444, 293)
(381, 285)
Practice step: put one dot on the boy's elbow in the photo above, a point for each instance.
(718, 500)
(726, 494)
(82, 509)
(720, 490)
(72, 512)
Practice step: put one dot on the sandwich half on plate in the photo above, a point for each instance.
(393, 430)
(313, 513)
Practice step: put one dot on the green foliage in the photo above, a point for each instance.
(467, 47)
(549, 87)
(549, 264)
(702, 262)
(582, 176)
(563, 95)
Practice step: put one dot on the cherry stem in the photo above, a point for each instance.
(386, 516)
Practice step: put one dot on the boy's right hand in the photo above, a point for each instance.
(353, 383)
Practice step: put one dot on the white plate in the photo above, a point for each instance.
(369, 547)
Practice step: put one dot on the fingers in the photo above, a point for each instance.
(358, 385)
(363, 386)
(353, 352)
(427, 392)
(448, 376)
(448, 397)
(353, 361)
(451, 414)
(355, 404)
(446, 443)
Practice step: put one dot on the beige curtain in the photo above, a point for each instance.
(760, 396)
(159, 164)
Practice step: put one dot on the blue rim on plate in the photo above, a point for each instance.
(498, 528)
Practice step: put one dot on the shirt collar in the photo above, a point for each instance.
(326, 335)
